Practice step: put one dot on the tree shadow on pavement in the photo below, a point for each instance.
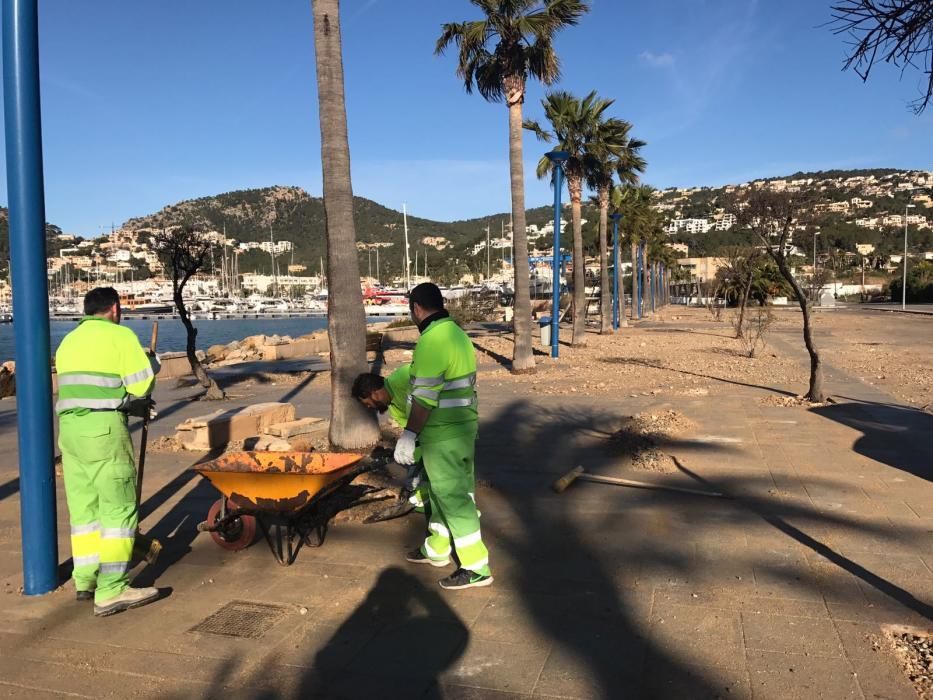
(656, 365)
(586, 561)
(898, 436)
(572, 590)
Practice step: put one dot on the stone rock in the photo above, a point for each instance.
(302, 426)
(8, 379)
(216, 352)
(267, 443)
(253, 342)
(217, 429)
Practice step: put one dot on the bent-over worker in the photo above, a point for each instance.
(389, 397)
(443, 420)
(103, 375)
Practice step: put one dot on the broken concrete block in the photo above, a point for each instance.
(222, 427)
(294, 428)
(267, 443)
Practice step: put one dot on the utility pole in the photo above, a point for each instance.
(378, 278)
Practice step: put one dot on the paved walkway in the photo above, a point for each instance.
(602, 591)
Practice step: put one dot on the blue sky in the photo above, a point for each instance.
(148, 103)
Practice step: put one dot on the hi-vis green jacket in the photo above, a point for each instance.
(100, 365)
(443, 378)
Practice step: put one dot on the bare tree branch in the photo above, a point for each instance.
(899, 32)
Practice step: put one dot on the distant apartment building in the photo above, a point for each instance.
(871, 222)
(701, 269)
(437, 242)
(681, 248)
(278, 247)
(865, 248)
(833, 207)
(692, 226)
(861, 203)
(724, 222)
(897, 220)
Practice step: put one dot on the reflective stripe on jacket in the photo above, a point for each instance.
(99, 364)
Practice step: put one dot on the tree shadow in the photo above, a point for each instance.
(579, 558)
(9, 488)
(656, 365)
(896, 435)
(768, 513)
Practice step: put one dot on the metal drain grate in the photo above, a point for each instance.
(240, 618)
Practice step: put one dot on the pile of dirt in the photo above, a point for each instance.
(642, 436)
(914, 651)
(166, 443)
(791, 402)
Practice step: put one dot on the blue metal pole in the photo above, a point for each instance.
(30, 295)
(555, 299)
(616, 274)
(651, 284)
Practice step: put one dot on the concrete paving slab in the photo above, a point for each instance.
(791, 635)
(498, 666)
(777, 675)
(681, 630)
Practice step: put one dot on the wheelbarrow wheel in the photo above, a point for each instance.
(237, 534)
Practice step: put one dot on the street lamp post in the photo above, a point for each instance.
(558, 158)
(907, 208)
(616, 275)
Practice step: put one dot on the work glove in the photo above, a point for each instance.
(143, 407)
(155, 362)
(405, 448)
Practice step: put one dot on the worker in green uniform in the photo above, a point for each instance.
(388, 396)
(443, 420)
(104, 375)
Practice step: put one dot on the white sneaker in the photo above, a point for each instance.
(130, 598)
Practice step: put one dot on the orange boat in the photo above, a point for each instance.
(290, 495)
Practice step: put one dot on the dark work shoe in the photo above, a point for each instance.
(464, 578)
(84, 595)
(416, 557)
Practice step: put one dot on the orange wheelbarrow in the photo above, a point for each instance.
(291, 496)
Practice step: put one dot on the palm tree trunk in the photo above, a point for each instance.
(644, 282)
(605, 293)
(351, 425)
(523, 359)
(575, 185)
(634, 279)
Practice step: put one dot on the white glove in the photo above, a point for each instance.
(405, 448)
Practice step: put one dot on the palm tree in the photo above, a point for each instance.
(614, 152)
(639, 221)
(497, 55)
(574, 123)
(351, 426)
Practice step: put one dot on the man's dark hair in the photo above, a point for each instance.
(365, 384)
(428, 296)
(99, 300)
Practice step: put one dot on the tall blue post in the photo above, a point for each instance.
(557, 158)
(616, 273)
(30, 295)
(652, 268)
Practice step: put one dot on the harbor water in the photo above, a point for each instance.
(172, 332)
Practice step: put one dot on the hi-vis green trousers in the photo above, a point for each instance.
(100, 486)
(453, 522)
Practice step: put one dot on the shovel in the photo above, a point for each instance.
(144, 547)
